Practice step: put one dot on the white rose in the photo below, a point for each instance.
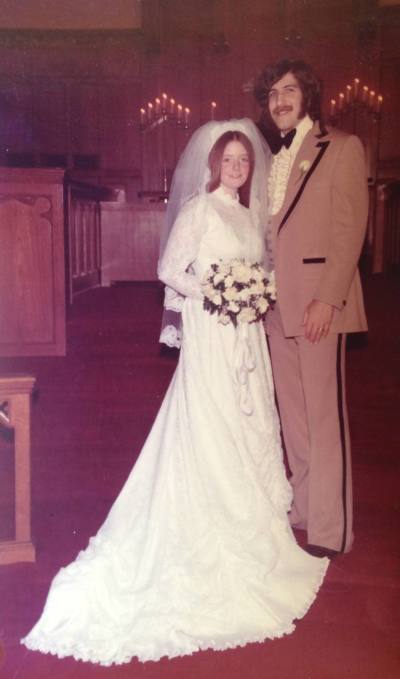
(246, 315)
(223, 269)
(304, 166)
(257, 288)
(229, 281)
(208, 290)
(216, 298)
(262, 305)
(230, 294)
(217, 278)
(243, 295)
(258, 274)
(241, 273)
(232, 306)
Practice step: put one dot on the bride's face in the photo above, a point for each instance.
(235, 166)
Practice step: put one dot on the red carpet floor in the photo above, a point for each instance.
(91, 413)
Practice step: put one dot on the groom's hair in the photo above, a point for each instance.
(310, 85)
(215, 159)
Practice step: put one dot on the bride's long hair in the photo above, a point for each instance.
(215, 160)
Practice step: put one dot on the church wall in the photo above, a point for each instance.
(78, 93)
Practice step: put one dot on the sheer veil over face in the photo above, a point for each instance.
(192, 177)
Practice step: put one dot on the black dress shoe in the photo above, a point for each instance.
(320, 552)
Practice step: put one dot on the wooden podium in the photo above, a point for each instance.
(32, 273)
(15, 398)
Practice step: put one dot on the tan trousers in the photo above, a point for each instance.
(310, 387)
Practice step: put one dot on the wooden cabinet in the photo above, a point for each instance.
(32, 271)
(130, 241)
(15, 396)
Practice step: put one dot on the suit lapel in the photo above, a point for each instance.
(307, 159)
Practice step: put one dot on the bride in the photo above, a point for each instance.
(197, 551)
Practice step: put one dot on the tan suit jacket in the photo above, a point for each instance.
(318, 234)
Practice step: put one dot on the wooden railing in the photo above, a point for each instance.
(386, 241)
(83, 234)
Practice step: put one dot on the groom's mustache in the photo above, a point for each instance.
(282, 109)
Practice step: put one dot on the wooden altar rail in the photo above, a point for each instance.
(83, 234)
(130, 235)
(386, 237)
(15, 396)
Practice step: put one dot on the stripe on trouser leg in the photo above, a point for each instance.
(340, 397)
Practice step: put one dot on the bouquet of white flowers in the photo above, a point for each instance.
(239, 292)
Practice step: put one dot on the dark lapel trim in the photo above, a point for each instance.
(323, 145)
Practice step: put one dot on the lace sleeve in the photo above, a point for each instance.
(174, 268)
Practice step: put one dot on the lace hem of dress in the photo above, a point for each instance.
(173, 301)
(171, 336)
(86, 654)
(118, 656)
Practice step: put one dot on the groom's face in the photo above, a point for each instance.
(285, 103)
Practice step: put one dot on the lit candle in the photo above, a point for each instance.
(379, 103)
(371, 98)
(365, 94)
(142, 116)
(186, 116)
(164, 102)
(348, 94)
(150, 111)
(179, 113)
(341, 101)
(356, 84)
(172, 106)
(333, 107)
(213, 107)
(158, 106)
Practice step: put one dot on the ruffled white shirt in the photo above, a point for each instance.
(282, 164)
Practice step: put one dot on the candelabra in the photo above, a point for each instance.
(358, 110)
(165, 126)
(353, 103)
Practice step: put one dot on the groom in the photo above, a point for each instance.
(318, 213)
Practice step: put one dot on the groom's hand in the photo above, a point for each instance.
(317, 320)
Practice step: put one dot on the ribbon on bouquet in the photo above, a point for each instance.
(243, 363)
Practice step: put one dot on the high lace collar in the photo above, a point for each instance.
(226, 197)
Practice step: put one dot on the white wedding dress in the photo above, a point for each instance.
(197, 551)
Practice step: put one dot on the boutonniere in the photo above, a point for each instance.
(304, 166)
